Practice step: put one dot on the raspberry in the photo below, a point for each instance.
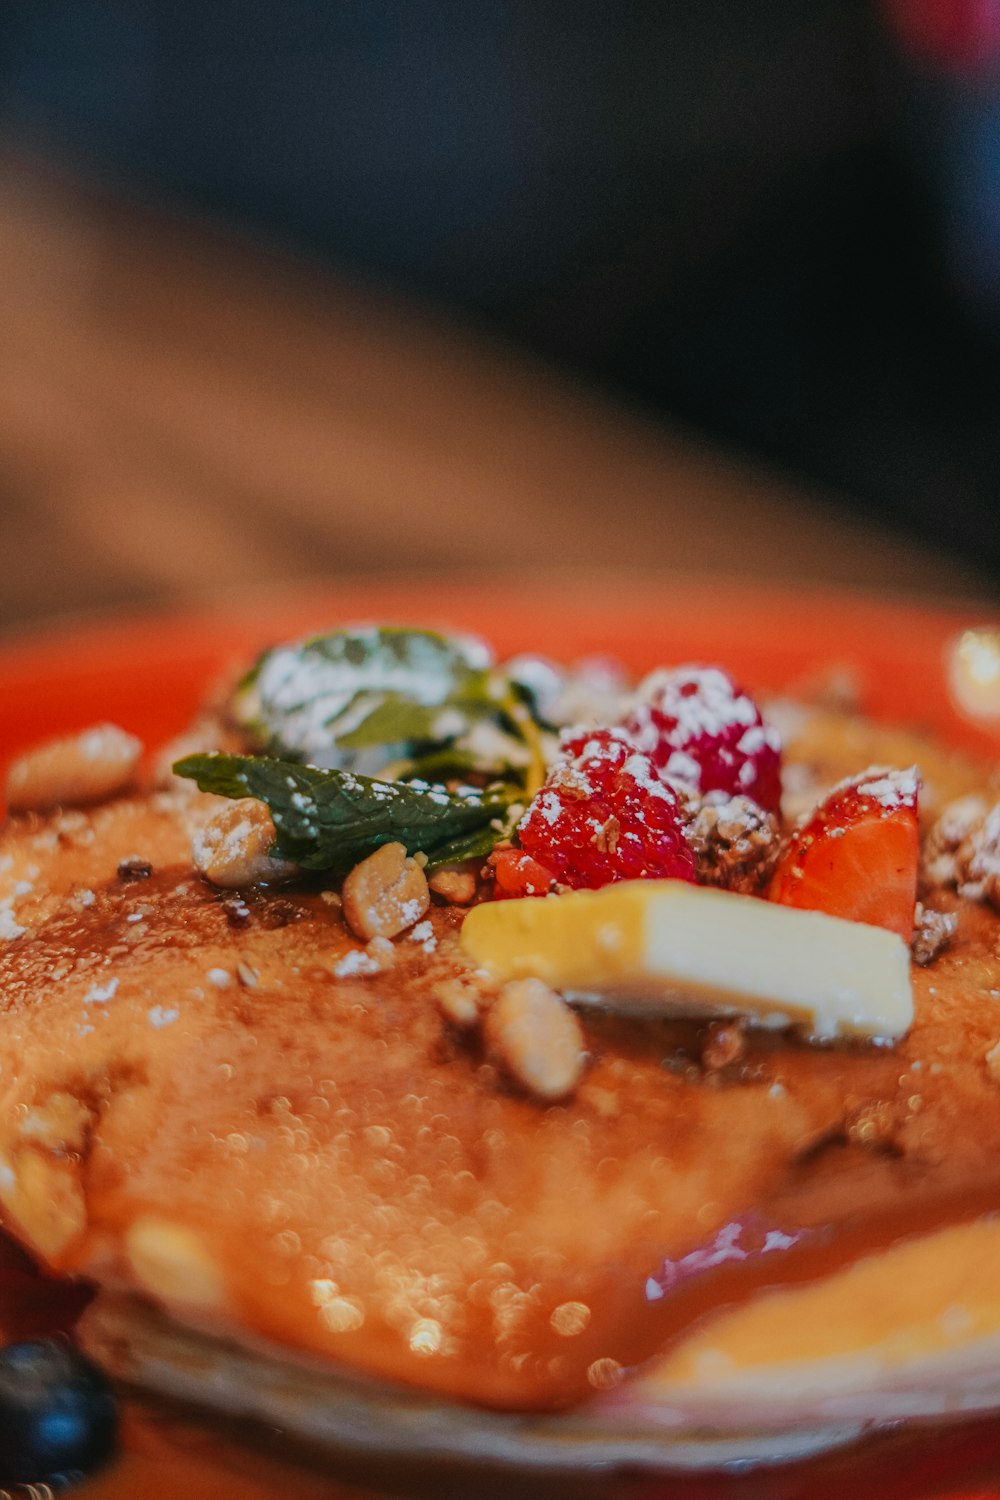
(702, 730)
(605, 814)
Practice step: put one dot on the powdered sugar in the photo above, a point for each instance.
(891, 788)
(355, 963)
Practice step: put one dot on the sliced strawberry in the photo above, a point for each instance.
(856, 856)
(517, 874)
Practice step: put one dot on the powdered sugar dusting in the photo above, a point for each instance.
(891, 788)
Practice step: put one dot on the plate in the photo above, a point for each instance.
(149, 673)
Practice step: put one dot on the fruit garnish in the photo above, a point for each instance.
(516, 874)
(856, 855)
(605, 814)
(703, 730)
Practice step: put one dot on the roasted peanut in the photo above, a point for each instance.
(455, 884)
(78, 768)
(232, 849)
(535, 1036)
(385, 894)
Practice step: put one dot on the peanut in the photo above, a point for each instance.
(456, 884)
(78, 768)
(385, 894)
(535, 1036)
(232, 848)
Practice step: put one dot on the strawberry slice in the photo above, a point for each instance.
(856, 855)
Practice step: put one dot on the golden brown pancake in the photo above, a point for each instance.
(208, 1102)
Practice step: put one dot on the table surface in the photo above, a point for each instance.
(184, 415)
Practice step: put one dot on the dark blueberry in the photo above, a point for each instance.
(58, 1419)
(134, 869)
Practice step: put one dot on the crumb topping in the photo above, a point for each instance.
(736, 843)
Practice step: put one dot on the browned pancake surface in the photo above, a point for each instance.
(361, 1182)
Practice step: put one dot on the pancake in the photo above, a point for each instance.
(291, 1175)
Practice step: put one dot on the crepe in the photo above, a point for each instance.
(308, 1197)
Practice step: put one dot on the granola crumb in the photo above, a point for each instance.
(735, 842)
(957, 823)
(978, 861)
(932, 932)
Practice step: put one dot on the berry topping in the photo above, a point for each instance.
(517, 874)
(703, 730)
(856, 855)
(57, 1414)
(605, 814)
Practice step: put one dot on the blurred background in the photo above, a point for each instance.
(317, 286)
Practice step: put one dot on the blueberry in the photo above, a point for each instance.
(58, 1419)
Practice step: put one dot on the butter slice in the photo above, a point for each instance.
(664, 947)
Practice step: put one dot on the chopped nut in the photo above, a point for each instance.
(735, 842)
(726, 1044)
(385, 893)
(537, 1038)
(461, 1001)
(248, 977)
(232, 848)
(456, 884)
(79, 768)
(237, 912)
(932, 932)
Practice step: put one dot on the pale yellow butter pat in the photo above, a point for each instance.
(663, 947)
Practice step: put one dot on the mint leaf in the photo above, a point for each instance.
(304, 700)
(329, 820)
(479, 843)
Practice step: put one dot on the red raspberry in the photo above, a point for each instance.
(604, 814)
(703, 731)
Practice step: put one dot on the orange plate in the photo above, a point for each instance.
(149, 672)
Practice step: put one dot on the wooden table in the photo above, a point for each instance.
(183, 415)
